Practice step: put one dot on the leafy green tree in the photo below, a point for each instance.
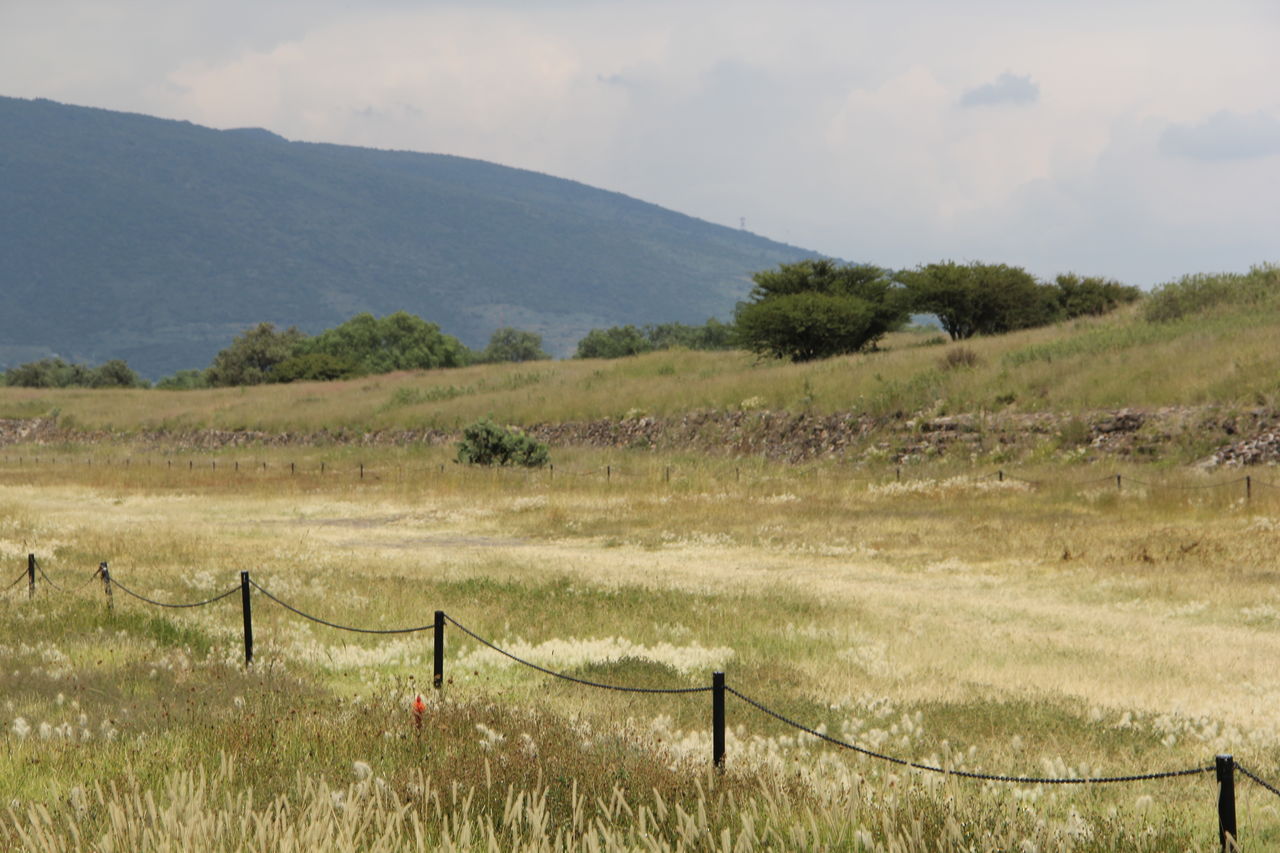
(517, 345)
(115, 373)
(817, 309)
(56, 373)
(614, 342)
(314, 367)
(1092, 295)
(399, 341)
(980, 299)
(713, 335)
(253, 354)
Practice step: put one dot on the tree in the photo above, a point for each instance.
(115, 373)
(1092, 295)
(253, 355)
(817, 309)
(508, 344)
(399, 341)
(614, 342)
(980, 299)
(486, 443)
(56, 373)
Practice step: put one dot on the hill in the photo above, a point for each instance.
(1189, 374)
(156, 241)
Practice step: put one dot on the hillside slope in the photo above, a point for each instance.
(125, 236)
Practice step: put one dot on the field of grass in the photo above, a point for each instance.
(1214, 345)
(1069, 628)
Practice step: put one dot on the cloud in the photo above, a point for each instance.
(1224, 136)
(1006, 89)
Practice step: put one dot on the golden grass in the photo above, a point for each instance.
(950, 618)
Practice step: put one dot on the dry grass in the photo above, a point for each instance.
(988, 625)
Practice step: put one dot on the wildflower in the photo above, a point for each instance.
(21, 728)
(418, 708)
(362, 770)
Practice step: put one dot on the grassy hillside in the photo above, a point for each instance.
(125, 236)
(1222, 354)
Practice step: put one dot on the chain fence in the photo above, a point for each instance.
(1224, 764)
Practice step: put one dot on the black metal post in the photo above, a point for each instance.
(361, 470)
(1001, 475)
(437, 678)
(717, 720)
(292, 469)
(106, 586)
(1118, 487)
(247, 608)
(31, 576)
(1248, 487)
(1226, 767)
(608, 472)
(666, 474)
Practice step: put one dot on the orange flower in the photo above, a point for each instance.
(418, 707)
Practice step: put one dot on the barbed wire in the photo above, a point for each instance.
(967, 774)
(622, 688)
(340, 627)
(1272, 788)
(140, 597)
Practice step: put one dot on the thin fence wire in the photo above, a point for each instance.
(1262, 782)
(340, 627)
(915, 765)
(59, 587)
(141, 597)
(967, 774)
(621, 688)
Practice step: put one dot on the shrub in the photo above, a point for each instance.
(957, 358)
(486, 443)
(1192, 294)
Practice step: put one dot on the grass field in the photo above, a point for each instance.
(1062, 629)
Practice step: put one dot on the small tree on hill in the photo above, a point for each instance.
(513, 345)
(980, 299)
(253, 355)
(817, 309)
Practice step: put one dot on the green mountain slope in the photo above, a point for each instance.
(125, 236)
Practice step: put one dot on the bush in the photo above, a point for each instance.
(1192, 294)
(486, 443)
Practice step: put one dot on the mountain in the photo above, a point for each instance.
(157, 241)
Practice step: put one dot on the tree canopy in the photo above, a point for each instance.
(513, 345)
(980, 299)
(818, 309)
(56, 373)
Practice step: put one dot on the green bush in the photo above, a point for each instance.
(1192, 294)
(486, 443)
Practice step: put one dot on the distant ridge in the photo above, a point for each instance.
(156, 241)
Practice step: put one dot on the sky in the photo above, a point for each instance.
(1131, 139)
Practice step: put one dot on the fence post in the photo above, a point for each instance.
(1248, 487)
(1226, 767)
(666, 474)
(361, 470)
(437, 678)
(247, 609)
(292, 470)
(31, 576)
(717, 720)
(737, 475)
(321, 467)
(106, 585)
(1000, 474)
(608, 472)
(1118, 486)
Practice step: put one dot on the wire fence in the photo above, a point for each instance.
(611, 472)
(1224, 765)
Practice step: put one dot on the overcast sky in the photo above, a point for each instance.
(1139, 140)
